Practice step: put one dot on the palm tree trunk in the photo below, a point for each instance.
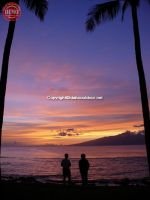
(4, 74)
(142, 82)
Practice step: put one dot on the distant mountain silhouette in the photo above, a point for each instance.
(126, 138)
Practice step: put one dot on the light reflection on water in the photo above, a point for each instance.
(105, 162)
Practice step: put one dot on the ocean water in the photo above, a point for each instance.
(106, 162)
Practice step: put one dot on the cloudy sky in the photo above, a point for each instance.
(58, 57)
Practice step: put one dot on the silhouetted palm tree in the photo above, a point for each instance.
(39, 8)
(108, 11)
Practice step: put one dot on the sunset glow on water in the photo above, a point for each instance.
(107, 162)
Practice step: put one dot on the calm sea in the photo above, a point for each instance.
(107, 162)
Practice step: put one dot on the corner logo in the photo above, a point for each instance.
(11, 11)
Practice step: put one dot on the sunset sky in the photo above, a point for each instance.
(58, 57)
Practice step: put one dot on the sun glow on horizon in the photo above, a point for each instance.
(59, 137)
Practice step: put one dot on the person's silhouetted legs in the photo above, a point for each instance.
(84, 167)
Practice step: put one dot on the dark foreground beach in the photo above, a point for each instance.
(28, 189)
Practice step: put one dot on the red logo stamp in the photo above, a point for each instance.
(11, 11)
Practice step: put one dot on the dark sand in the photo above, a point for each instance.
(48, 191)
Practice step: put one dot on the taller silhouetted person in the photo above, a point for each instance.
(84, 167)
(66, 164)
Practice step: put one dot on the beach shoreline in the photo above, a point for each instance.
(145, 181)
(36, 190)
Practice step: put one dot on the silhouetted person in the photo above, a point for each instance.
(84, 167)
(66, 164)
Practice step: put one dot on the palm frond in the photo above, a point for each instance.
(134, 2)
(124, 7)
(39, 7)
(102, 12)
(2, 3)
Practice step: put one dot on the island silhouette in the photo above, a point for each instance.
(126, 138)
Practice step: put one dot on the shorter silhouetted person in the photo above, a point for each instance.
(66, 164)
(84, 167)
